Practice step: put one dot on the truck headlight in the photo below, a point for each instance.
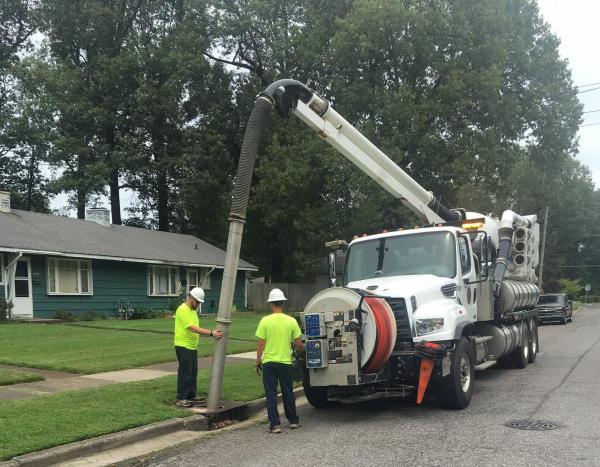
(429, 325)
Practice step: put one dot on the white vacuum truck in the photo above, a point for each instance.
(420, 307)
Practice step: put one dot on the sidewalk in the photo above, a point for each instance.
(56, 381)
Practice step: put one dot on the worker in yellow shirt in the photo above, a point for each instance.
(276, 333)
(187, 331)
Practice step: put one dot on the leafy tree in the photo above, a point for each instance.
(458, 93)
(183, 117)
(89, 77)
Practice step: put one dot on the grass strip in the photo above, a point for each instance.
(47, 421)
(8, 377)
(151, 331)
(84, 350)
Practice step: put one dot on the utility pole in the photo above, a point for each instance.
(543, 250)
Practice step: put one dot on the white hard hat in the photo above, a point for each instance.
(276, 295)
(198, 294)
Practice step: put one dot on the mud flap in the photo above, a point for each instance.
(427, 365)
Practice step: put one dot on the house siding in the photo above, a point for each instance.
(118, 283)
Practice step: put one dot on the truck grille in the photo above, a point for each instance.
(398, 306)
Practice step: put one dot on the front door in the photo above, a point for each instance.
(468, 292)
(22, 298)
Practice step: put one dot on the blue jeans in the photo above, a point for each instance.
(281, 373)
(187, 373)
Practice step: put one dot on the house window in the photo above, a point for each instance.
(199, 278)
(163, 280)
(69, 277)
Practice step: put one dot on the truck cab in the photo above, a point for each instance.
(432, 269)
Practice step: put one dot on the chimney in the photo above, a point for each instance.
(4, 201)
(98, 215)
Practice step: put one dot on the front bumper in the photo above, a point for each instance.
(552, 315)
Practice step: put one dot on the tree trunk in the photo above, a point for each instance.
(162, 189)
(30, 181)
(81, 201)
(115, 201)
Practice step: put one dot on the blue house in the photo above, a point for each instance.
(51, 263)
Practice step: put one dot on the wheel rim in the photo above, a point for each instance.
(534, 346)
(465, 372)
(526, 351)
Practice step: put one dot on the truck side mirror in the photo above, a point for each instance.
(480, 244)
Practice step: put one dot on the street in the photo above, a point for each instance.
(560, 388)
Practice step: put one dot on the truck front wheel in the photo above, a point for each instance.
(455, 390)
(315, 395)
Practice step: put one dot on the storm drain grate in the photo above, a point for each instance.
(540, 425)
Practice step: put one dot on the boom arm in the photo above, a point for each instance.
(291, 95)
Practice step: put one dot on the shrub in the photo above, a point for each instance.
(5, 307)
(90, 315)
(65, 315)
(147, 314)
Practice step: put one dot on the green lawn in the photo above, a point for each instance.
(13, 377)
(83, 350)
(47, 421)
(242, 326)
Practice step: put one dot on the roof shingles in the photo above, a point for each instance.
(46, 233)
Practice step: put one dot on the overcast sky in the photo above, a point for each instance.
(575, 22)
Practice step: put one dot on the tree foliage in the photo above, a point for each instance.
(151, 97)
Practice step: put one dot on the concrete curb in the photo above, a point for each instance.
(119, 439)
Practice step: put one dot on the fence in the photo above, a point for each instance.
(298, 295)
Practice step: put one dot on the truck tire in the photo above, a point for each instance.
(315, 395)
(519, 357)
(534, 343)
(455, 390)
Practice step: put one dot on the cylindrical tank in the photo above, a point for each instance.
(505, 338)
(517, 295)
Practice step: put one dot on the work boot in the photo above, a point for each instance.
(183, 403)
(274, 429)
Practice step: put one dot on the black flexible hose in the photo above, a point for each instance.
(243, 178)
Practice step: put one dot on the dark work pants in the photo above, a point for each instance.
(282, 373)
(187, 373)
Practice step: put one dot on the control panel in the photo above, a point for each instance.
(316, 353)
(331, 348)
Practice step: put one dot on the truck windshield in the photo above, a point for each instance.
(420, 253)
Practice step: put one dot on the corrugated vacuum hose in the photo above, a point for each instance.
(243, 179)
(237, 218)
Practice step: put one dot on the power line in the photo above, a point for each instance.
(591, 111)
(590, 124)
(588, 90)
(586, 85)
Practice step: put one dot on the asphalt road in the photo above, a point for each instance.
(562, 387)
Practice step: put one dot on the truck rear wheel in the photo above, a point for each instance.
(519, 357)
(534, 346)
(455, 390)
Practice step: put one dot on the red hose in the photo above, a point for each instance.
(384, 327)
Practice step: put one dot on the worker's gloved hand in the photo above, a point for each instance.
(217, 334)
(258, 368)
